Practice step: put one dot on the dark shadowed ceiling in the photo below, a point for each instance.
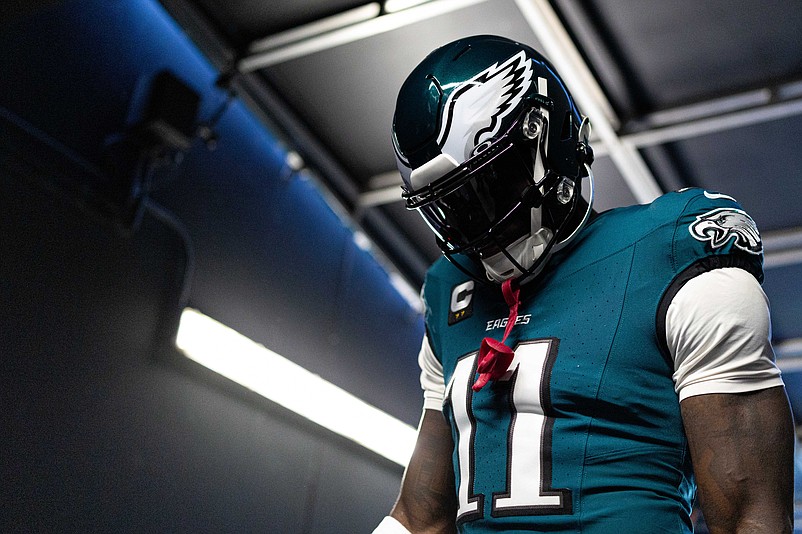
(681, 93)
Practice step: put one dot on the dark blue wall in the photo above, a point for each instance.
(106, 427)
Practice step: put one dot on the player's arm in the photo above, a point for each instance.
(427, 503)
(742, 450)
(733, 402)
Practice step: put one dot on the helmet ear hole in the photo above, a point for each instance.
(532, 125)
(568, 126)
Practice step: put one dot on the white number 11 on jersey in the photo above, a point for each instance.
(528, 490)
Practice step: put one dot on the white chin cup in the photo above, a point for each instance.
(525, 251)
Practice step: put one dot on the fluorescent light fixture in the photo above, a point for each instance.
(256, 367)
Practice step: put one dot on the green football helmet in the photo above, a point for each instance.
(492, 153)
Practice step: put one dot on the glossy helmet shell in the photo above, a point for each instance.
(472, 94)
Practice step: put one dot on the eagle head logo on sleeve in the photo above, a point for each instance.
(723, 225)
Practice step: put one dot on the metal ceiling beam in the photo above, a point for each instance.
(708, 125)
(707, 108)
(351, 33)
(318, 27)
(782, 248)
(561, 50)
(713, 116)
(383, 195)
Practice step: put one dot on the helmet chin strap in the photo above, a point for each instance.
(525, 251)
(528, 249)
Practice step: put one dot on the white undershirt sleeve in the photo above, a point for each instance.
(718, 331)
(431, 377)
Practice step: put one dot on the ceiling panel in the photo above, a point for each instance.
(347, 93)
(686, 51)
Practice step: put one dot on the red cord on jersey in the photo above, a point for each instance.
(494, 356)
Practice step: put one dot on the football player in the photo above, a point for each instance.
(582, 372)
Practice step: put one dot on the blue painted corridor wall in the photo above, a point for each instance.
(273, 260)
(102, 431)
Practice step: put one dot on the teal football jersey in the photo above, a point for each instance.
(583, 434)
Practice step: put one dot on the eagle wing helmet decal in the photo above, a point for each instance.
(474, 111)
(724, 224)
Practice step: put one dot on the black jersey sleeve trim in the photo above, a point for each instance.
(703, 265)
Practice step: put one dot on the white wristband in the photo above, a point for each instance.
(390, 525)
